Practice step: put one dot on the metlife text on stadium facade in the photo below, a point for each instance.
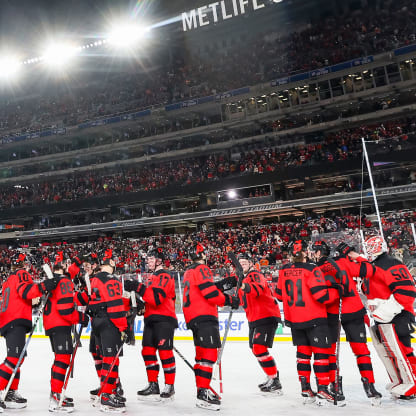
(218, 11)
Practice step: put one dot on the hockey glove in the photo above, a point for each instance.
(77, 261)
(134, 286)
(83, 319)
(125, 337)
(227, 283)
(140, 307)
(233, 301)
(49, 285)
(343, 249)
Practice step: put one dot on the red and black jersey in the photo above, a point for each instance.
(304, 292)
(201, 297)
(352, 306)
(257, 300)
(391, 277)
(16, 304)
(106, 299)
(60, 310)
(159, 298)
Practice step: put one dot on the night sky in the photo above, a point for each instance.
(25, 23)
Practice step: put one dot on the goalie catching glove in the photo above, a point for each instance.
(384, 310)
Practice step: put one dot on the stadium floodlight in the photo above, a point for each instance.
(232, 194)
(57, 55)
(125, 34)
(9, 67)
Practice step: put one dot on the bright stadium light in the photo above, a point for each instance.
(9, 67)
(232, 194)
(57, 55)
(125, 35)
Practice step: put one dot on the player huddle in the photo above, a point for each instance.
(319, 294)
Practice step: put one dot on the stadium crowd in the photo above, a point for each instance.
(272, 55)
(267, 243)
(254, 158)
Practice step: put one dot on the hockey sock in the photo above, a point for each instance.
(6, 370)
(110, 384)
(151, 363)
(321, 364)
(58, 371)
(365, 366)
(332, 363)
(98, 362)
(204, 361)
(265, 360)
(169, 365)
(303, 361)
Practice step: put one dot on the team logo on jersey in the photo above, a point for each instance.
(257, 335)
(161, 342)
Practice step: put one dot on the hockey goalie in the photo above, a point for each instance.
(390, 296)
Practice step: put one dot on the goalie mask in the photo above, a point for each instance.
(375, 246)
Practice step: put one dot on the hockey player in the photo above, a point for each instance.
(390, 295)
(353, 312)
(263, 315)
(58, 316)
(201, 299)
(159, 325)
(16, 321)
(108, 320)
(304, 292)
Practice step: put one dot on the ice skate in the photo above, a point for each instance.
(168, 393)
(272, 385)
(65, 407)
(309, 396)
(333, 389)
(325, 397)
(151, 393)
(205, 399)
(94, 393)
(110, 403)
(371, 392)
(14, 400)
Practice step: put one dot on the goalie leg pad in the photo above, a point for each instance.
(389, 338)
(385, 357)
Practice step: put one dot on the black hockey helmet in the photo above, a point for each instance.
(19, 260)
(298, 246)
(196, 251)
(245, 256)
(321, 246)
(157, 253)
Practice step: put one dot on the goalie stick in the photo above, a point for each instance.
(240, 276)
(49, 275)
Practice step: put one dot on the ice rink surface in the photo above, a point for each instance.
(241, 374)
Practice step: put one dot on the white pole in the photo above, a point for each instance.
(372, 187)
(180, 289)
(413, 231)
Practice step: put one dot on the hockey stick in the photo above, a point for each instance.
(71, 366)
(240, 275)
(49, 275)
(192, 368)
(338, 344)
(103, 383)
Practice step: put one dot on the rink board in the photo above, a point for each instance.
(239, 330)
